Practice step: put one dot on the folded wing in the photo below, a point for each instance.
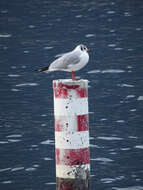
(65, 62)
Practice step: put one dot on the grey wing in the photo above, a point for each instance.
(71, 59)
(61, 54)
(64, 62)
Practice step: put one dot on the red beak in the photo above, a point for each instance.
(89, 50)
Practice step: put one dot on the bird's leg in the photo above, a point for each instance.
(73, 76)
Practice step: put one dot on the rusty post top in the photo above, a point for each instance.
(82, 83)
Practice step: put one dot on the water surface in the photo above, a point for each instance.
(32, 33)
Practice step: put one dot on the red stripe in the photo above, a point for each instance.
(72, 156)
(82, 122)
(70, 86)
(61, 123)
(60, 93)
(61, 90)
(61, 85)
(82, 92)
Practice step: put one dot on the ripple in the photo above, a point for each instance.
(89, 35)
(13, 75)
(119, 178)
(106, 71)
(3, 142)
(17, 169)
(50, 183)
(95, 146)
(102, 159)
(5, 35)
(127, 14)
(36, 165)
(129, 188)
(139, 146)
(23, 67)
(113, 71)
(15, 90)
(4, 11)
(132, 137)
(118, 49)
(79, 16)
(14, 136)
(44, 115)
(120, 121)
(140, 98)
(133, 110)
(34, 145)
(110, 138)
(14, 140)
(50, 142)
(27, 84)
(13, 67)
(94, 71)
(111, 12)
(25, 51)
(48, 47)
(112, 30)
(31, 26)
(103, 119)
(47, 158)
(138, 29)
(6, 182)
(31, 169)
(108, 180)
(125, 149)
(5, 169)
(126, 85)
(111, 45)
(130, 96)
(43, 124)
(130, 49)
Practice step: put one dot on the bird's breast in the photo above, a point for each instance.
(83, 61)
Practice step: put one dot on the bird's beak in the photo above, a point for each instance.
(89, 50)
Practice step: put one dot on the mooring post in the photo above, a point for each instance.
(71, 134)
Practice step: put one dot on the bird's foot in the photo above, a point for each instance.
(73, 76)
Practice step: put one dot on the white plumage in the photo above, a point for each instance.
(71, 61)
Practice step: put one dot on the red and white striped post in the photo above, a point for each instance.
(71, 134)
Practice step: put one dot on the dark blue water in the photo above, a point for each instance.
(31, 34)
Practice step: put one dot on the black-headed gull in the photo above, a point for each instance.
(71, 61)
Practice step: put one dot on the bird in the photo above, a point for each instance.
(71, 61)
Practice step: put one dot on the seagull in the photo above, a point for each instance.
(71, 61)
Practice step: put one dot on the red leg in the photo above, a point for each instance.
(73, 76)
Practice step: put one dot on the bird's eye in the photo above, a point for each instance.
(82, 48)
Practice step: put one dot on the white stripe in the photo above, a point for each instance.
(64, 171)
(71, 140)
(68, 123)
(74, 106)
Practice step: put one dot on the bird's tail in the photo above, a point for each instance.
(45, 69)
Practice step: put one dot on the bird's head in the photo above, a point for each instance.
(82, 48)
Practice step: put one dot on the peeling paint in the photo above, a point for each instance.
(71, 134)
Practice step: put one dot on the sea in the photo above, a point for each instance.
(32, 34)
